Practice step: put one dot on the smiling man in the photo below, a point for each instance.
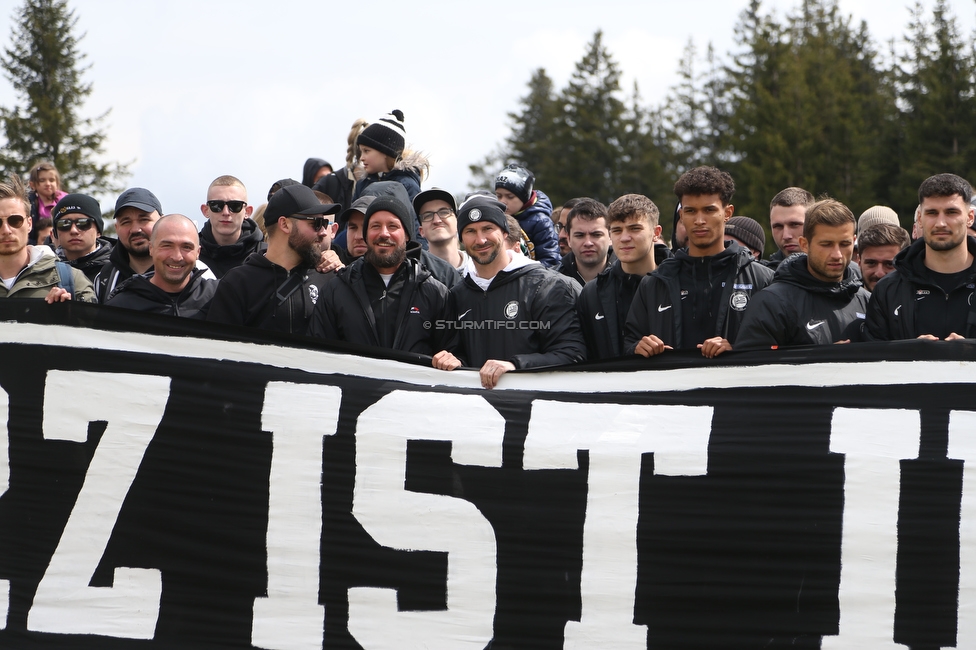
(815, 297)
(929, 295)
(385, 298)
(437, 211)
(136, 211)
(229, 236)
(697, 298)
(175, 286)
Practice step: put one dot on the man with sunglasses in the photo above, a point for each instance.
(385, 298)
(278, 289)
(78, 234)
(437, 210)
(32, 271)
(229, 235)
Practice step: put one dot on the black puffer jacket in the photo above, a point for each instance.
(140, 294)
(344, 312)
(799, 309)
(221, 259)
(908, 295)
(657, 306)
(527, 316)
(259, 293)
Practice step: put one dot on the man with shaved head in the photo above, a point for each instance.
(175, 286)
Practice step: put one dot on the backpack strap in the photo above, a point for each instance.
(65, 278)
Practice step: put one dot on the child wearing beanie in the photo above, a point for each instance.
(532, 209)
(382, 156)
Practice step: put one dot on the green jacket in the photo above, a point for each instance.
(37, 278)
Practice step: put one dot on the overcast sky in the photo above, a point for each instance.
(209, 87)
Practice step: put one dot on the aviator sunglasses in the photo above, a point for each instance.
(64, 225)
(14, 221)
(218, 206)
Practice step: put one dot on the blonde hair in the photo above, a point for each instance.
(352, 149)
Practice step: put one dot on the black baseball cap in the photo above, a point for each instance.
(138, 197)
(296, 199)
(434, 194)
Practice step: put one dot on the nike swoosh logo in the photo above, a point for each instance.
(812, 326)
(897, 309)
(463, 315)
(599, 317)
(661, 308)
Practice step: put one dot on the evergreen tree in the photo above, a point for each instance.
(935, 84)
(42, 63)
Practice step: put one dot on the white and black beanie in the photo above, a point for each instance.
(517, 180)
(386, 134)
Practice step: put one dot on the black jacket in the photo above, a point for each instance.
(657, 306)
(262, 294)
(92, 263)
(527, 316)
(113, 273)
(344, 312)
(603, 306)
(221, 259)
(142, 295)
(799, 309)
(570, 268)
(907, 295)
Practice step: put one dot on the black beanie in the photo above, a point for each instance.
(386, 135)
(517, 180)
(482, 208)
(79, 204)
(401, 211)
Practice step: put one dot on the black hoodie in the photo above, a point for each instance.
(221, 259)
(725, 284)
(142, 295)
(799, 309)
(908, 303)
(311, 168)
(93, 262)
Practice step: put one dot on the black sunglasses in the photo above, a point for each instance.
(14, 221)
(318, 223)
(218, 206)
(64, 225)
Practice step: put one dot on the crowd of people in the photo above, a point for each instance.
(501, 280)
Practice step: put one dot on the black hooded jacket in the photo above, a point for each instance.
(799, 309)
(142, 295)
(603, 306)
(93, 262)
(907, 303)
(259, 293)
(404, 317)
(221, 259)
(719, 288)
(311, 168)
(527, 316)
(116, 271)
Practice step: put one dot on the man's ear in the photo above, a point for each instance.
(729, 211)
(804, 245)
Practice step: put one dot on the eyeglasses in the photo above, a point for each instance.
(443, 213)
(559, 227)
(64, 225)
(234, 206)
(14, 221)
(318, 223)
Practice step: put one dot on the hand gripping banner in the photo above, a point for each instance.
(166, 484)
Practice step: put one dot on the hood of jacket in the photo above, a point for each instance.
(794, 271)
(311, 168)
(910, 262)
(141, 286)
(250, 237)
(412, 162)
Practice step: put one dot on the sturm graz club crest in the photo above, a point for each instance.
(511, 309)
(474, 215)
